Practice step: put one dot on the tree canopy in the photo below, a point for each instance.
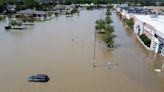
(1, 2)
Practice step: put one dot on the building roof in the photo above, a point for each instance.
(157, 23)
(31, 11)
(138, 10)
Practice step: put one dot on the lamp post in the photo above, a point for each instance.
(94, 51)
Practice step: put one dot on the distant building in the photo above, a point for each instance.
(156, 9)
(64, 8)
(45, 1)
(34, 13)
(11, 8)
(128, 12)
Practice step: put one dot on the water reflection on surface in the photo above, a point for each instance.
(63, 49)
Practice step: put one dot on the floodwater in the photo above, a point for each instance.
(63, 49)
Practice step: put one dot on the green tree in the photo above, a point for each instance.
(109, 29)
(1, 2)
(108, 20)
(108, 37)
(108, 13)
(30, 3)
(1, 5)
(100, 25)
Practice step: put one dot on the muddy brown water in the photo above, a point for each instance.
(63, 49)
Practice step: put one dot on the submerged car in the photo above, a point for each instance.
(38, 78)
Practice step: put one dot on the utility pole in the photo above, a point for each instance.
(94, 52)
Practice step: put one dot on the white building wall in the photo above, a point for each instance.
(127, 16)
(136, 24)
(155, 44)
(123, 13)
(160, 34)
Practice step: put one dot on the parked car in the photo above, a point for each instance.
(38, 78)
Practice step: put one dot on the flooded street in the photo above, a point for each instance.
(63, 49)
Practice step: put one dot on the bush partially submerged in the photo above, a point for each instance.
(15, 23)
(145, 39)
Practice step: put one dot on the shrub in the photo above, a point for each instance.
(27, 19)
(119, 14)
(130, 22)
(2, 17)
(145, 39)
(15, 23)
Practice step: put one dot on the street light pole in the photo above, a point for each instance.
(94, 52)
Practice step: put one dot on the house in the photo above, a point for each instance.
(45, 1)
(11, 8)
(59, 7)
(34, 13)
(64, 9)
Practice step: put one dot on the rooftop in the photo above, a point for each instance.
(139, 10)
(157, 23)
(31, 11)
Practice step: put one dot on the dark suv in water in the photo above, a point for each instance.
(38, 78)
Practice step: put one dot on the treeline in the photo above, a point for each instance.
(143, 2)
(87, 1)
(24, 4)
(48, 4)
(80, 1)
(1, 5)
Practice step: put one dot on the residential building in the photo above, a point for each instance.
(35, 13)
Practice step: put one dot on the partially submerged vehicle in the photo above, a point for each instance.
(38, 78)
